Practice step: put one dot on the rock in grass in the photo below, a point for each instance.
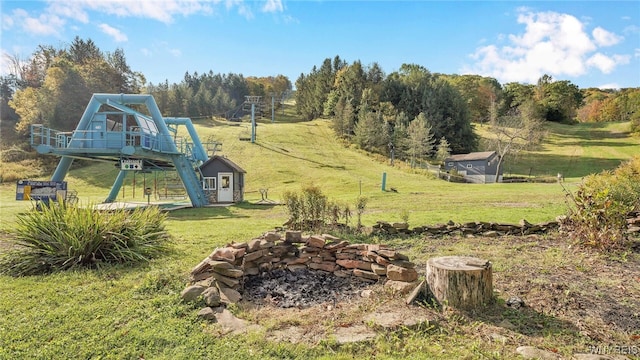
(229, 296)
(207, 314)
(211, 296)
(191, 293)
(530, 352)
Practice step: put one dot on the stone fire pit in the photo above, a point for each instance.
(295, 271)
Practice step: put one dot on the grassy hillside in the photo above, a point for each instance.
(576, 150)
(288, 155)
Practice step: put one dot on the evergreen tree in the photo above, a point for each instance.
(443, 150)
(420, 139)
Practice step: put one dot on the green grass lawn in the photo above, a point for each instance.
(135, 312)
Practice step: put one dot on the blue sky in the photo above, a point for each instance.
(590, 43)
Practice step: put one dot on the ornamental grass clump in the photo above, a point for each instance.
(64, 236)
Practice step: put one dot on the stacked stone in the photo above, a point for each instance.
(633, 223)
(219, 276)
(373, 262)
(476, 228)
(393, 228)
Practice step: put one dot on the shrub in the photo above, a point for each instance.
(310, 209)
(361, 205)
(293, 206)
(64, 236)
(600, 206)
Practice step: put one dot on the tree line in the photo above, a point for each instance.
(210, 94)
(55, 85)
(410, 114)
(414, 114)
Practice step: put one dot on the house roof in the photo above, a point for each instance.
(228, 162)
(471, 156)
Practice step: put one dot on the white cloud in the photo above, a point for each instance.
(637, 52)
(609, 86)
(166, 10)
(7, 22)
(116, 34)
(44, 24)
(552, 43)
(606, 64)
(288, 19)
(631, 30)
(605, 38)
(245, 11)
(161, 10)
(273, 6)
(601, 62)
(175, 52)
(51, 21)
(59, 14)
(69, 9)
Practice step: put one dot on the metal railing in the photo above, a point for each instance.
(100, 139)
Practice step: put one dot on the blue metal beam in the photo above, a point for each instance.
(199, 152)
(115, 189)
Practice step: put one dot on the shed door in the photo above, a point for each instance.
(98, 128)
(225, 187)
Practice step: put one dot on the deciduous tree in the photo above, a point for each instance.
(520, 129)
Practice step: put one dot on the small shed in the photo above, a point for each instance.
(222, 180)
(476, 167)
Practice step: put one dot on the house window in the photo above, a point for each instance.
(469, 166)
(209, 183)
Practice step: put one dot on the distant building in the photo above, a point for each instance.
(222, 180)
(477, 167)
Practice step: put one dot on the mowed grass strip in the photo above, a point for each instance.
(577, 150)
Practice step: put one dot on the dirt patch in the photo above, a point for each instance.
(351, 320)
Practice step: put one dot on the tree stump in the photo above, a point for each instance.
(460, 281)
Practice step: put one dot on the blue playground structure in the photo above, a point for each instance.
(111, 130)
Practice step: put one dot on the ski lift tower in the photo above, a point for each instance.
(253, 100)
(129, 131)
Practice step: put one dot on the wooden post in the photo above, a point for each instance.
(460, 282)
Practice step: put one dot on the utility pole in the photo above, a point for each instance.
(273, 107)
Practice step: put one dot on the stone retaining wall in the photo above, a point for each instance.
(487, 229)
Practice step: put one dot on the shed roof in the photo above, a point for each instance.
(223, 159)
(471, 156)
